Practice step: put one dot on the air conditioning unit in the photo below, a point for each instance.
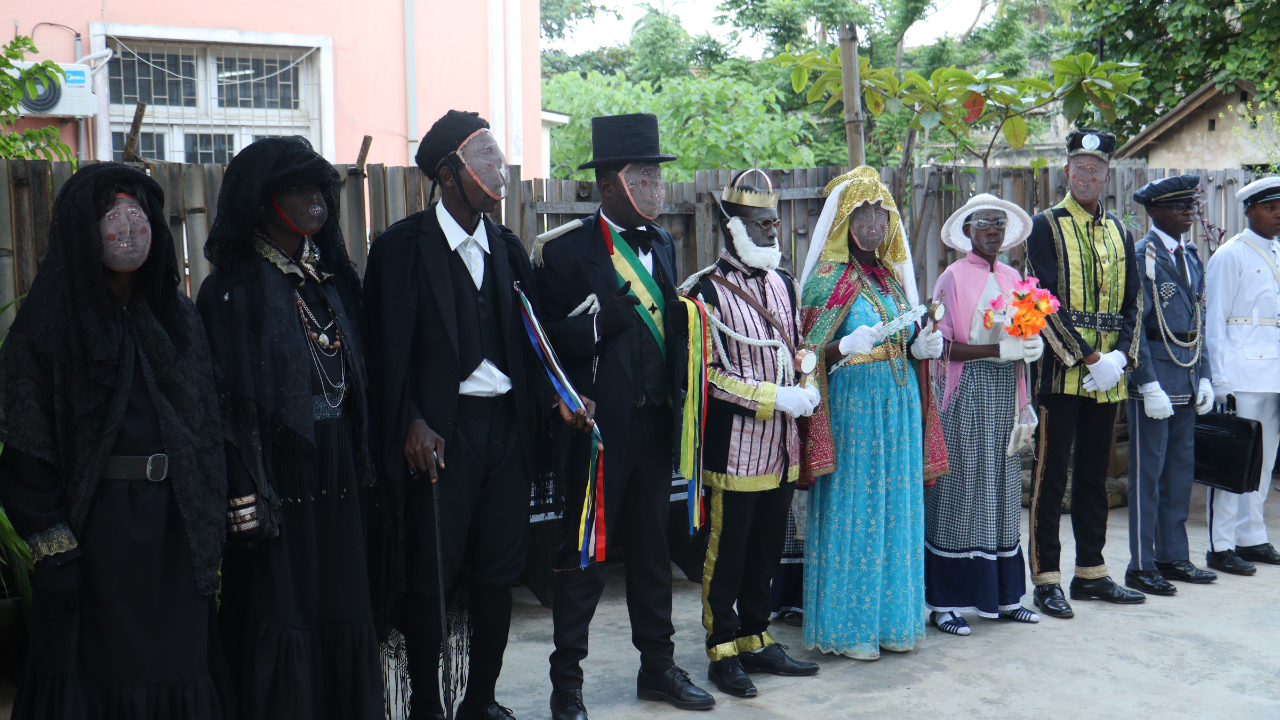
(69, 98)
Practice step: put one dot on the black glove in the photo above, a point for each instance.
(617, 312)
(679, 314)
(56, 587)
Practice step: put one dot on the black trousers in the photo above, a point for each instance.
(1064, 420)
(637, 505)
(484, 518)
(748, 530)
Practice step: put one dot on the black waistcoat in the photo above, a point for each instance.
(647, 357)
(479, 332)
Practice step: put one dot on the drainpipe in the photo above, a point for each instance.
(515, 84)
(80, 124)
(410, 80)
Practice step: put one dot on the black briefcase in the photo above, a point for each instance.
(1228, 452)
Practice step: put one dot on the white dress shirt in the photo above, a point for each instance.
(487, 380)
(1240, 284)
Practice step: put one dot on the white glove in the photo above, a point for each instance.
(795, 400)
(861, 340)
(1106, 373)
(815, 398)
(1011, 349)
(1204, 397)
(928, 345)
(1032, 348)
(1155, 403)
(1221, 389)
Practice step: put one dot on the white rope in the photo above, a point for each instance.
(590, 306)
(782, 352)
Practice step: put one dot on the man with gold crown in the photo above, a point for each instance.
(868, 452)
(750, 446)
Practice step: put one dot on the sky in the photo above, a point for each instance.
(698, 16)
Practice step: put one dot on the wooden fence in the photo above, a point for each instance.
(375, 196)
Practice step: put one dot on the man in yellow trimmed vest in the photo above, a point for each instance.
(1084, 256)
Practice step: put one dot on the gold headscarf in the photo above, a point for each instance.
(864, 187)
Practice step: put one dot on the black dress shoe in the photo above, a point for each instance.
(728, 675)
(1228, 562)
(1186, 572)
(494, 711)
(1050, 600)
(568, 705)
(1150, 582)
(1263, 553)
(1104, 588)
(674, 686)
(774, 661)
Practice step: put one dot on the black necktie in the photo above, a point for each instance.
(640, 239)
(1181, 256)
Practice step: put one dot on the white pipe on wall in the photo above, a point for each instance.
(497, 76)
(410, 81)
(515, 85)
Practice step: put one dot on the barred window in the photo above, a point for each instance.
(205, 148)
(153, 78)
(261, 79)
(150, 146)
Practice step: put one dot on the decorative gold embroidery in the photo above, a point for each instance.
(877, 354)
(722, 651)
(709, 565)
(740, 483)
(764, 394)
(306, 261)
(752, 643)
(864, 187)
(55, 540)
(1092, 573)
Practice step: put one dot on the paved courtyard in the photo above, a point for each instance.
(1209, 652)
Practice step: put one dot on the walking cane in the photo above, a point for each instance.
(446, 662)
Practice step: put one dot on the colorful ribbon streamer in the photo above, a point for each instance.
(591, 535)
(695, 410)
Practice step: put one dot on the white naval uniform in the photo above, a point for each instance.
(1243, 342)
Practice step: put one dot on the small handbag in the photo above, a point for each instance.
(1228, 451)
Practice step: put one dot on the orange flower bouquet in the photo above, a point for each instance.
(1024, 311)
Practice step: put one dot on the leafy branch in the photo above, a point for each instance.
(31, 143)
(961, 103)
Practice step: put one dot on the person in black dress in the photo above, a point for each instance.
(113, 467)
(280, 310)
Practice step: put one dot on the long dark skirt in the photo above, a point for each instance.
(143, 639)
(296, 616)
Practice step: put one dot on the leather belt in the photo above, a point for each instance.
(1157, 336)
(137, 467)
(1269, 322)
(1095, 321)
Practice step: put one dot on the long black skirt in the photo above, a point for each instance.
(296, 617)
(142, 645)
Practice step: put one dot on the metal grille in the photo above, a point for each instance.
(206, 102)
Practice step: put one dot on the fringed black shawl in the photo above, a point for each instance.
(67, 365)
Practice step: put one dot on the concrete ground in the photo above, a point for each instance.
(1209, 652)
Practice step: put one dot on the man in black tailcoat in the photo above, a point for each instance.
(455, 389)
(608, 288)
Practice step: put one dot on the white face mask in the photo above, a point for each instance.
(126, 235)
(752, 255)
(643, 184)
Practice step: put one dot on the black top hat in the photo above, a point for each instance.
(622, 139)
(1166, 191)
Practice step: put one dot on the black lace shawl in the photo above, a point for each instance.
(260, 356)
(67, 365)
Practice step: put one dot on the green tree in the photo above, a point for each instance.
(660, 48)
(557, 15)
(1183, 44)
(32, 143)
(709, 122)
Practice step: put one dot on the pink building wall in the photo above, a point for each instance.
(453, 59)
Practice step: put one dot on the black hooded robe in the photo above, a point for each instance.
(84, 378)
(296, 615)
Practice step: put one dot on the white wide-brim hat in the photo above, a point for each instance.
(1015, 232)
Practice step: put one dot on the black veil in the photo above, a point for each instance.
(66, 365)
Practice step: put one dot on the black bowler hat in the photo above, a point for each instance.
(622, 139)
(1083, 141)
(1166, 191)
